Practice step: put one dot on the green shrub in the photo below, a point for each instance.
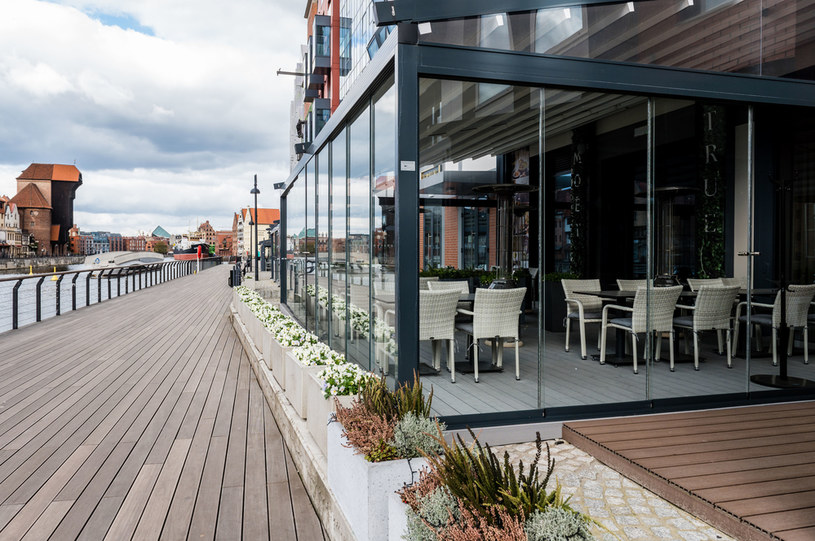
(476, 476)
(413, 436)
(382, 452)
(393, 405)
(433, 515)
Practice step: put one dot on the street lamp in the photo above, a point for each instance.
(255, 192)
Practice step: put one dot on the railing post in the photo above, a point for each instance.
(59, 293)
(15, 304)
(141, 270)
(73, 291)
(109, 273)
(118, 282)
(99, 286)
(39, 298)
(88, 288)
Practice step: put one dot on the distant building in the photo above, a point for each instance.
(45, 198)
(160, 232)
(206, 233)
(81, 243)
(235, 219)
(266, 217)
(12, 242)
(134, 244)
(223, 244)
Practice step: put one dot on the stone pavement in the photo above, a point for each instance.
(627, 510)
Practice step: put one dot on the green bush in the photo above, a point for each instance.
(393, 405)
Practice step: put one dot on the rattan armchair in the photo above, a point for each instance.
(496, 314)
(462, 286)
(423, 280)
(798, 299)
(652, 312)
(437, 321)
(631, 285)
(712, 311)
(583, 308)
(696, 283)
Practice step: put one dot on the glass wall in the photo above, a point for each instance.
(339, 268)
(322, 246)
(358, 240)
(309, 245)
(762, 37)
(295, 248)
(383, 233)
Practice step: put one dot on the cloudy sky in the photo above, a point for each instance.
(167, 107)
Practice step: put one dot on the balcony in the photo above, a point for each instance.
(320, 45)
(310, 95)
(314, 82)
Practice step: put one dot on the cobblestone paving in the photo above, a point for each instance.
(627, 510)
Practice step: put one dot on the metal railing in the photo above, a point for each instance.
(39, 303)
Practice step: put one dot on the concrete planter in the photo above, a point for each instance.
(266, 347)
(397, 517)
(296, 380)
(277, 356)
(362, 488)
(320, 408)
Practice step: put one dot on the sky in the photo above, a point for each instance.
(167, 107)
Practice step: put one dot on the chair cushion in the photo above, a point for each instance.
(465, 326)
(684, 321)
(586, 315)
(760, 319)
(621, 321)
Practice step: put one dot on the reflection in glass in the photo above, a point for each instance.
(321, 270)
(338, 267)
(383, 233)
(358, 240)
(295, 249)
(309, 242)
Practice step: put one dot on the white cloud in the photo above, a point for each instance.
(169, 127)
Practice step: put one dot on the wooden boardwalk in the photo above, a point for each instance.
(141, 418)
(747, 471)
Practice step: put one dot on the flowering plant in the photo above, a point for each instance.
(317, 354)
(343, 379)
(294, 335)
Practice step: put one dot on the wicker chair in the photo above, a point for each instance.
(798, 299)
(495, 314)
(655, 306)
(583, 308)
(462, 286)
(437, 321)
(696, 283)
(712, 311)
(741, 282)
(631, 285)
(423, 280)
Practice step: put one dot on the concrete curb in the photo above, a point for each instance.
(308, 459)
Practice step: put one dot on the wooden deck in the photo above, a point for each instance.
(140, 418)
(748, 471)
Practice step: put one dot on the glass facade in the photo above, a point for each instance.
(637, 208)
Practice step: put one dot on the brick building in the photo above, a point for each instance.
(45, 197)
(223, 244)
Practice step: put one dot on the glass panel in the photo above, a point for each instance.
(338, 267)
(595, 231)
(322, 248)
(359, 233)
(738, 36)
(782, 220)
(383, 233)
(295, 248)
(700, 202)
(479, 174)
(308, 246)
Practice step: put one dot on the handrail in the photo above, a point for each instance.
(154, 274)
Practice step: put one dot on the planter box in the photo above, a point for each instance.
(362, 488)
(296, 379)
(266, 348)
(397, 517)
(277, 356)
(320, 408)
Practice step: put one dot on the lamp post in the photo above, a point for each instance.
(255, 192)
